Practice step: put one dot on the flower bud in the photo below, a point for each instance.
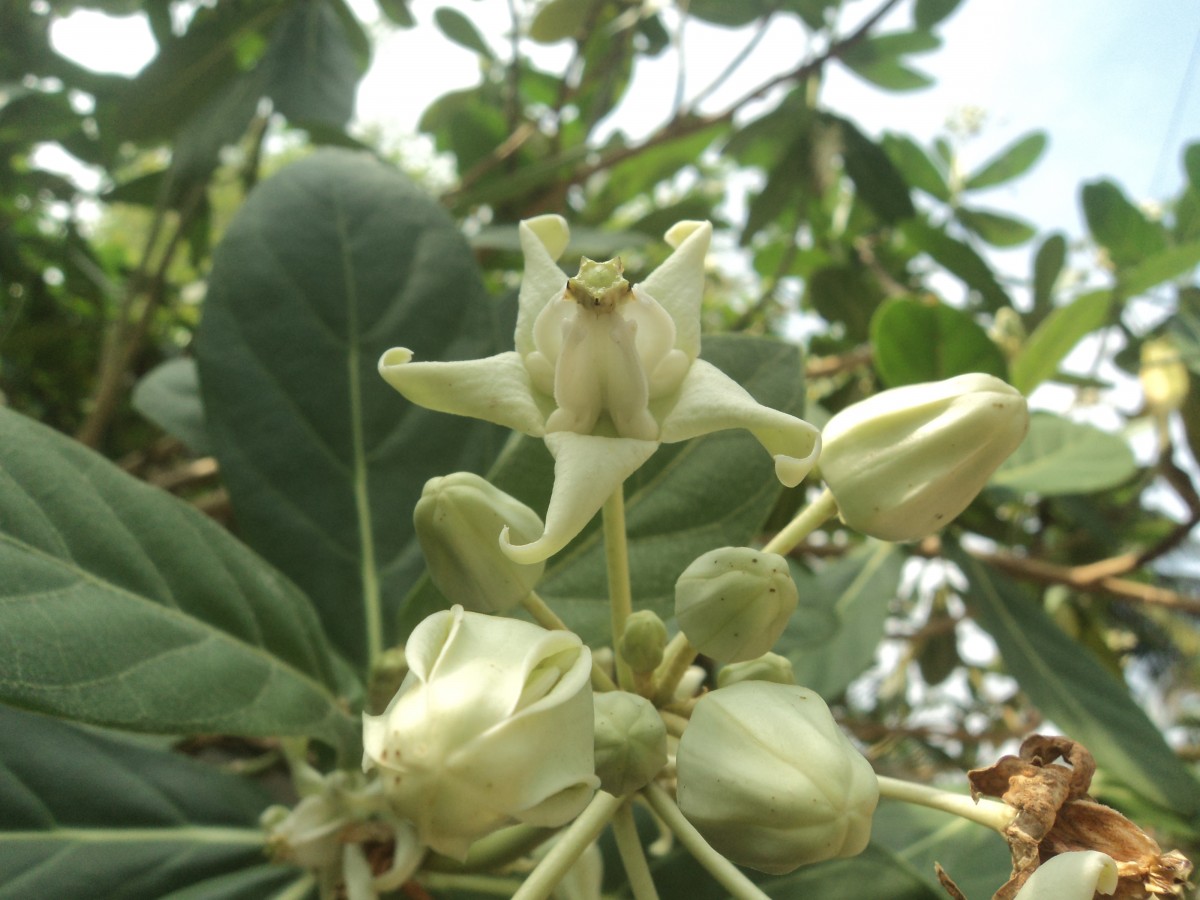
(458, 521)
(1164, 377)
(770, 781)
(644, 640)
(769, 667)
(493, 725)
(904, 463)
(734, 602)
(631, 742)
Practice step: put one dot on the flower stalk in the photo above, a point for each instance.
(989, 813)
(806, 522)
(569, 847)
(633, 857)
(620, 593)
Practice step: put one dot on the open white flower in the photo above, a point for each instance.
(604, 372)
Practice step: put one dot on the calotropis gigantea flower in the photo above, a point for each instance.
(493, 725)
(604, 372)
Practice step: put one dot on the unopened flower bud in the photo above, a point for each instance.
(903, 463)
(1164, 377)
(644, 640)
(734, 602)
(631, 742)
(458, 522)
(770, 781)
(769, 667)
(493, 725)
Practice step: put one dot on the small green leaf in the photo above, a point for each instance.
(1059, 456)
(1056, 336)
(878, 181)
(169, 396)
(1012, 162)
(1047, 266)
(559, 20)
(458, 28)
(397, 12)
(878, 59)
(1166, 265)
(1120, 227)
(844, 294)
(889, 74)
(916, 341)
(126, 607)
(1076, 692)
(87, 814)
(859, 588)
(915, 165)
(928, 13)
(959, 259)
(995, 228)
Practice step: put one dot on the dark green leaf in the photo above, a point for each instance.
(1047, 266)
(995, 228)
(83, 814)
(169, 396)
(1120, 227)
(916, 341)
(928, 13)
(958, 258)
(328, 264)
(397, 12)
(876, 872)
(890, 74)
(126, 607)
(558, 20)
(859, 588)
(1059, 456)
(878, 59)
(1012, 162)
(458, 28)
(1076, 692)
(915, 165)
(310, 69)
(1166, 265)
(1056, 336)
(844, 294)
(1191, 166)
(879, 183)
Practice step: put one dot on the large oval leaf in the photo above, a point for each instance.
(83, 814)
(327, 265)
(1059, 456)
(123, 606)
(917, 341)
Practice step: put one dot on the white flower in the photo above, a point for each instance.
(604, 372)
(903, 463)
(1071, 876)
(493, 725)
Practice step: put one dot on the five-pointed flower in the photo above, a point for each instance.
(604, 372)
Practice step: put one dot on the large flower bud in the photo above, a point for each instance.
(631, 742)
(458, 521)
(492, 725)
(734, 602)
(905, 462)
(770, 781)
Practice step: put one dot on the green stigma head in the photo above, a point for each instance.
(599, 286)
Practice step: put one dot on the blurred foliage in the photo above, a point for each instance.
(879, 247)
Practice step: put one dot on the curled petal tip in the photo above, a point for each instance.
(526, 554)
(551, 231)
(681, 231)
(397, 356)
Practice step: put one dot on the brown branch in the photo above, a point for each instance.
(826, 366)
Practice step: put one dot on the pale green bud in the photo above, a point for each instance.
(769, 667)
(904, 463)
(734, 602)
(644, 640)
(458, 522)
(492, 726)
(768, 778)
(1077, 875)
(631, 742)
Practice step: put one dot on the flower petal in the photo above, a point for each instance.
(678, 284)
(495, 389)
(709, 400)
(587, 469)
(1071, 876)
(543, 240)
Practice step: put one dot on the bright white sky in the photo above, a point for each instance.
(1116, 85)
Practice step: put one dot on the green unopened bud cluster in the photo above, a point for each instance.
(734, 602)
(631, 742)
(458, 521)
(768, 778)
(904, 463)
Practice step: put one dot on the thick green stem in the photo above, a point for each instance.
(569, 847)
(727, 874)
(620, 594)
(809, 520)
(547, 618)
(492, 852)
(677, 658)
(629, 846)
(992, 813)
(477, 884)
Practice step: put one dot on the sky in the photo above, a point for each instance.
(1116, 83)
